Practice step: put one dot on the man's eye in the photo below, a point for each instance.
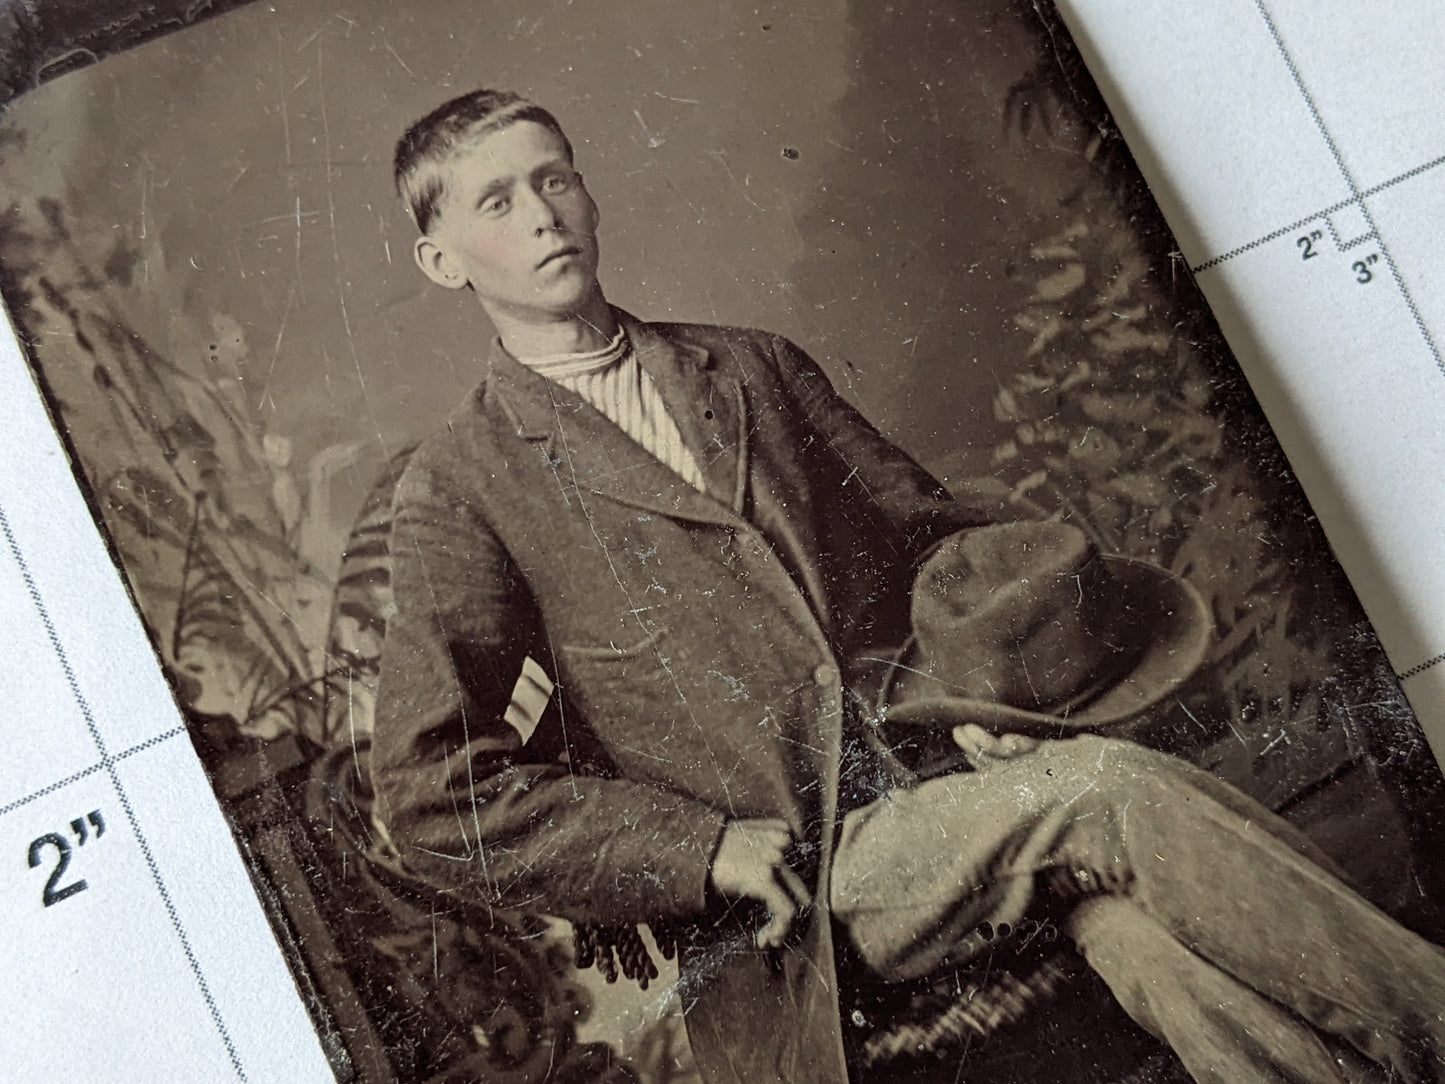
(496, 205)
(554, 183)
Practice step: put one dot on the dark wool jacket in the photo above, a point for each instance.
(696, 642)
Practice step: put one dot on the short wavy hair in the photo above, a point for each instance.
(424, 149)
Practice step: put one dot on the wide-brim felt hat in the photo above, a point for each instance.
(1026, 628)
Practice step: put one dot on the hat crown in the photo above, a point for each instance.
(1020, 614)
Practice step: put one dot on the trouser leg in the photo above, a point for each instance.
(915, 874)
(1232, 890)
(1223, 1031)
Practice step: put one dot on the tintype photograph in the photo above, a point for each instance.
(716, 542)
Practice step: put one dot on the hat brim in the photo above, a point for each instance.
(1179, 627)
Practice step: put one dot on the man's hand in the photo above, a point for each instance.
(751, 864)
(983, 748)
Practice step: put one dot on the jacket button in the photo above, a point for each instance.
(825, 674)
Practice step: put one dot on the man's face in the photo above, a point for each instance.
(516, 223)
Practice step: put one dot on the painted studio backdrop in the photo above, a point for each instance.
(204, 254)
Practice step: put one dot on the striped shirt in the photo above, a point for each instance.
(611, 380)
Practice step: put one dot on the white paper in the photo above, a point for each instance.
(1297, 149)
(162, 966)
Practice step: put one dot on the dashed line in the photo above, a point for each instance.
(1357, 196)
(57, 785)
(1423, 167)
(1334, 208)
(1354, 188)
(1274, 235)
(107, 764)
(1422, 667)
(99, 766)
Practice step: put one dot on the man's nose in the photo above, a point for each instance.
(540, 214)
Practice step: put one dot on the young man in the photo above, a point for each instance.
(695, 536)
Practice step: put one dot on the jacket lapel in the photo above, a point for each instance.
(705, 403)
(591, 453)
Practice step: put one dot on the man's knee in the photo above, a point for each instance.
(1099, 786)
(1110, 770)
(1127, 762)
(1115, 754)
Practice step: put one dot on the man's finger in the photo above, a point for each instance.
(971, 738)
(771, 824)
(772, 834)
(981, 747)
(781, 913)
(770, 840)
(1016, 745)
(794, 884)
(766, 829)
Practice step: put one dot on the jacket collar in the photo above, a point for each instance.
(705, 402)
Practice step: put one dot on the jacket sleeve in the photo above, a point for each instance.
(916, 508)
(473, 808)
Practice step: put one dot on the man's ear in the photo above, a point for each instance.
(437, 264)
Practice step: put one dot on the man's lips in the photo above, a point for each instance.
(570, 250)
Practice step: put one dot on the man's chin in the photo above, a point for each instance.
(585, 295)
(553, 306)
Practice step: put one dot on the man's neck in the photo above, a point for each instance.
(590, 328)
